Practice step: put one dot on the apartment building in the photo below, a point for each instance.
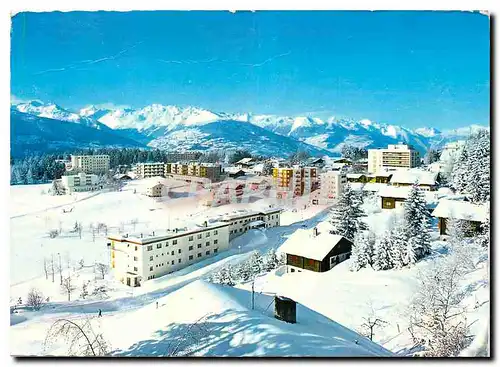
(90, 163)
(241, 222)
(140, 257)
(210, 171)
(150, 169)
(155, 190)
(80, 182)
(331, 186)
(395, 156)
(295, 180)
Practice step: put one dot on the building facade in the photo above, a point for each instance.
(137, 258)
(331, 186)
(295, 181)
(156, 190)
(96, 164)
(80, 182)
(395, 156)
(150, 169)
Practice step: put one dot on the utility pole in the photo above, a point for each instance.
(60, 266)
(253, 293)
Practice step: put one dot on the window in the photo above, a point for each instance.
(151, 258)
(156, 255)
(135, 258)
(179, 261)
(207, 253)
(241, 229)
(216, 233)
(199, 255)
(190, 257)
(207, 243)
(179, 251)
(216, 242)
(199, 245)
(241, 221)
(166, 244)
(150, 248)
(215, 250)
(173, 262)
(208, 234)
(135, 269)
(150, 268)
(190, 238)
(174, 242)
(158, 245)
(199, 236)
(190, 248)
(172, 253)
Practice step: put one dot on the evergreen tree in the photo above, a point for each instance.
(417, 223)
(398, 247)
(478, 168)
(256, 263)
(346, 216)
(270, 261)
(382, 257)
(484, 237)
(410, 257)
(359, 257)
(29, 177)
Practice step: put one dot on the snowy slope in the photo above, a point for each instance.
(230, 328)
(231, 134)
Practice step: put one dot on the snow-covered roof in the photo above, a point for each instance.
(410, 176)
(463, 210)
(258, 167)
(303, 243)
(256, 223)
(248, 213)
(394, 192)
(245, 161)
(161, 235)
(233, 170)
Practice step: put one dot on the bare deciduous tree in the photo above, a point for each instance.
(35, 299)
(102, 269)
(53, 233)
(81, 264)
(81, 339)
(68, 287)
(371, 322)
(46, 268)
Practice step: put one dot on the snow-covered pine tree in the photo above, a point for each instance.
(397, 242)
(459, 174)
(483, 238)
(410, 257)
(256, 263)
(478, 168)
(417, 221)
(245, 271)
(370, 247)
(346, 215)
(270, 261)
(358, 253)
(382, 257)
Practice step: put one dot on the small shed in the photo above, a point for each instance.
(473, 214)
(393, 197)
(285, 309)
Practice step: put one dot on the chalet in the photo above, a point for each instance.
(315, 162)
(426, 180)
(379, 177)
(315, 250)
(465, 211)
(245, 163)
(356, 177)
(155, 190)
(122, 177)
(393, 197)
(234, 172)
(343, 160)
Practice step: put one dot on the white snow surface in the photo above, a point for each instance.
(463, 210)
(328, 301)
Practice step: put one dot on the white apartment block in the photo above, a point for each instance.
(80, 182)
(395, 156)
(150, 169)
(90, 163)
(140, 257)
(241, 222)
(331, 186)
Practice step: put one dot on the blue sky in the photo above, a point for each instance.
(409, 68)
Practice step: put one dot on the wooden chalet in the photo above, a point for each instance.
(315, 251)
(465, 211)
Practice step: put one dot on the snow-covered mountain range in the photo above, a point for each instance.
(174, 127)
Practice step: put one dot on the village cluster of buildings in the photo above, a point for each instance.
(136, 258)
(192, 171)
